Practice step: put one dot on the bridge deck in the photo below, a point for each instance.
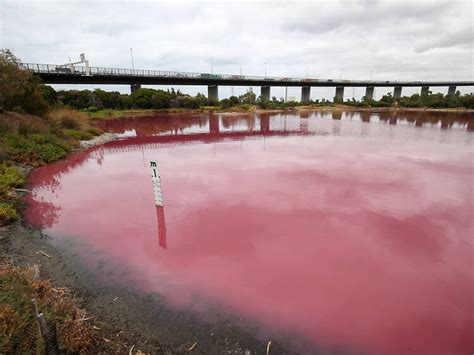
(56, 74)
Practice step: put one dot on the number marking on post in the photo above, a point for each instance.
(156, 179)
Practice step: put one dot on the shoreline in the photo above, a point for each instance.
(254, 109)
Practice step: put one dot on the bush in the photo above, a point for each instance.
(37, 149)
(76, 134)
(225, 103)
(70, 119)
(10, 176)
(19, 89)
(8, 213)
(69, 122)
(95, 131)
(92, 109)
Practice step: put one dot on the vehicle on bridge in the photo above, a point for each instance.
(64, 70)
(210, 76)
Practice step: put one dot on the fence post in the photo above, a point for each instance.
(49, 337)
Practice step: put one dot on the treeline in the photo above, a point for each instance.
(165, 99)
(141, 99)
(416, 100)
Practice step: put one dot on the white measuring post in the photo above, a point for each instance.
(156, 179)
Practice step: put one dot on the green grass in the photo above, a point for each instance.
(37, 149)
(104, 114)
(8, 213)
(76, 134)
(10, 176)
(112, 113)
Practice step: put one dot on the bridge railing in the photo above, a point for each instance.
(208, 77)
(81, 70)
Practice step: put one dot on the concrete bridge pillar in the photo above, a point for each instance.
(424, 90)
(213, 92)
(305, 93)
(369, 92)
(451, 90)
(135, 87)
(397, 92)
(265, 93)
(339, 94)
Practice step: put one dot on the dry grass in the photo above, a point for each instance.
(69, 119)
(18, 330)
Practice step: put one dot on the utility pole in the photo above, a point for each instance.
(131, 55)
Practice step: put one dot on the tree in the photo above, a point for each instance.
(19, 89)
(248, 98)
(234, 100)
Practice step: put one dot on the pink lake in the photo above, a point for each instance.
(351, 231)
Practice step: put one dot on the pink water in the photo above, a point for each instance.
(351, 235)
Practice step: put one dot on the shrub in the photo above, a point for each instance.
(31, 125)
(70, 119)
(69, 122)
(95, 131)
(19, 89)
(8, 213)
(76, 134)
(11, 176)
(37, 149)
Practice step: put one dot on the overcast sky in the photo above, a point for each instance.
(386, 40)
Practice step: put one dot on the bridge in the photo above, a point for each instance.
(60, 74)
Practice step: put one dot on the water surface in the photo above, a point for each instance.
(351, 232)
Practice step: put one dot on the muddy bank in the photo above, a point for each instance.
(144, 320)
